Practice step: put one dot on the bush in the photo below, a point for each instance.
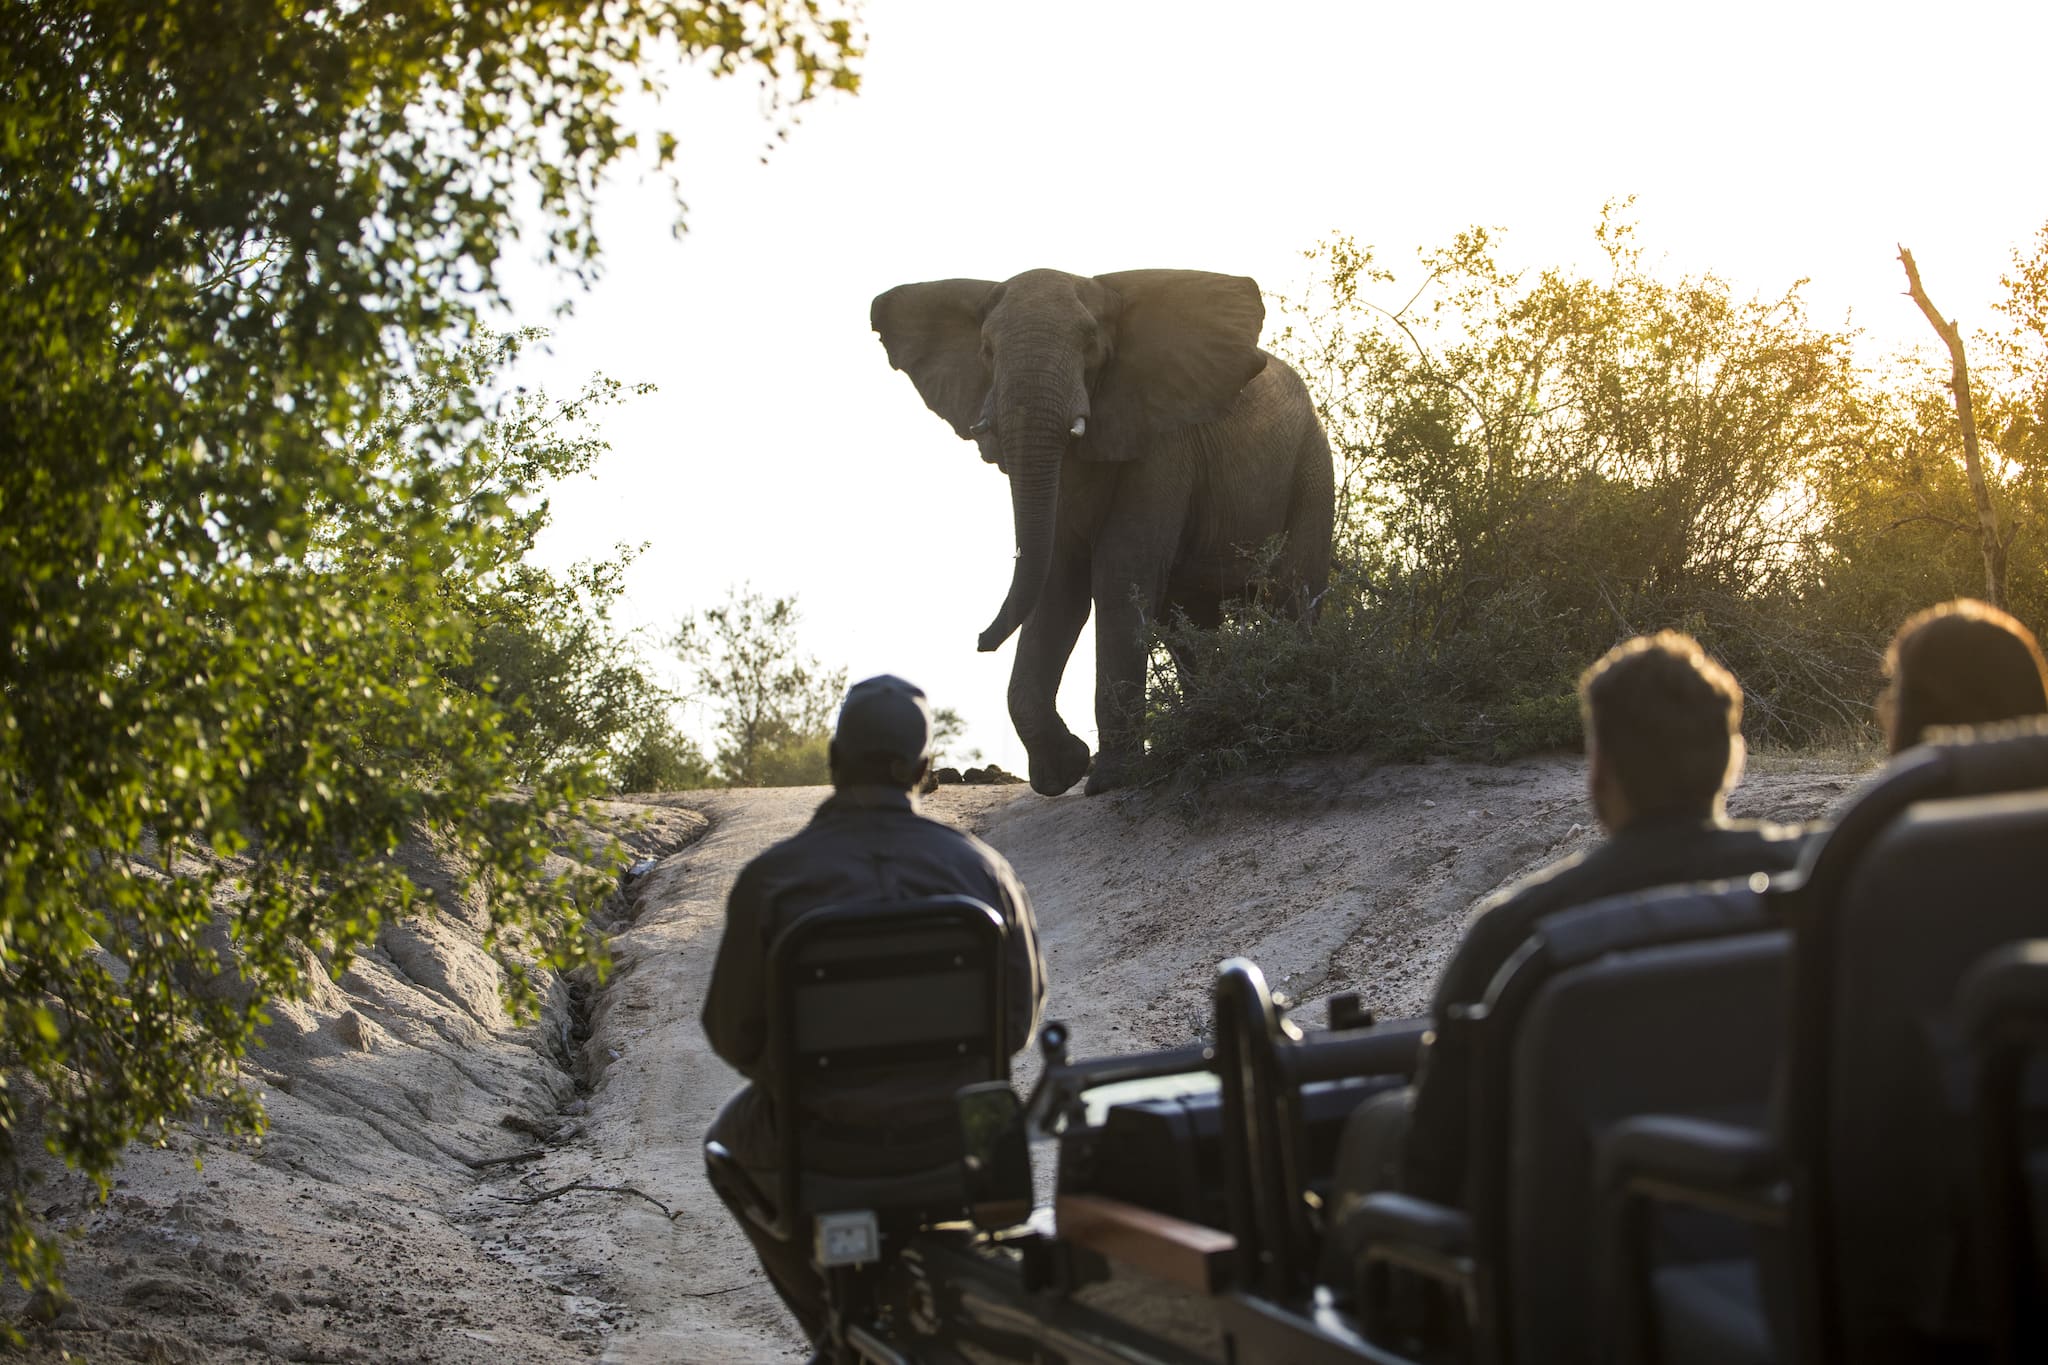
(1533, 468)
(656, 757)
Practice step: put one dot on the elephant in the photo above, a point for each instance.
(1153, 452)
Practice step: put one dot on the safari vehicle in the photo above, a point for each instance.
(1794, 1119)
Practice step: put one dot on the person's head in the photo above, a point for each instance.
(1663, 730)
(1962, 663)
(884, 735)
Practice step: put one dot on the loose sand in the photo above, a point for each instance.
(363, 1228)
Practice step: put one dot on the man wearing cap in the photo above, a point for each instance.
(867, 842)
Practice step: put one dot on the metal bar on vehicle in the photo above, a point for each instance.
(872, 1349)
(1060, 1088)
(1389, 1049)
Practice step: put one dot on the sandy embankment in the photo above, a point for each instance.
(1332, 876)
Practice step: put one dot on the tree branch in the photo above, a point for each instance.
(1959, 386)
(574, 1185)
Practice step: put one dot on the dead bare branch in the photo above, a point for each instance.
(1973, 463)
(486, 1162)
(576, 1185)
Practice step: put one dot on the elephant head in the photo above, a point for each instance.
(1049, 363)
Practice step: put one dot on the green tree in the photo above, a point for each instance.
(570, 684)
(228, 231)
(776, 704)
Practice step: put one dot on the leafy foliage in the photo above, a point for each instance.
(233, 237)
(1535, 466)
(570, 686)
(776, 704)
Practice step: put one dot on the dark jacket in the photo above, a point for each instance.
(864, 843)
(1646, 854)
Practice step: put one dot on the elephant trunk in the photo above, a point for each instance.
(1034, 495)
(1032, 455)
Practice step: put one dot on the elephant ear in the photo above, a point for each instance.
(1186, 343)
(932, 332)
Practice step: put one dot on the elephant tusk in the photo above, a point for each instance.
(1080, 427)
(979, 428)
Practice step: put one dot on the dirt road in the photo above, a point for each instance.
(1333, 877)
(411, 1202)
(689, 1282)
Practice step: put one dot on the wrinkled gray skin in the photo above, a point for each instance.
(1194, 449)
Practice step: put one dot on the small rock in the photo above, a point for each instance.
(576, 1108)
(946, 777)
(533, 1128)
(283, 1302)
(168, 1294)
(44, 1306)
(75, 1319)
(353, 1031)
(1429, 805)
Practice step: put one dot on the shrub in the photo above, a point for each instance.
(1533, 467)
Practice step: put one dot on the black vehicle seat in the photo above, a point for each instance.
(1860, 1194)
(2004, 1006)
(1686, 1027)
(1948, 881)
(1944, 882)
(1666, 997)
(907, 995)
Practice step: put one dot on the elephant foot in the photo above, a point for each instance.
(1059, 765)
(1108, 774)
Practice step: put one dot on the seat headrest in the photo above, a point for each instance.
(2009, 756)
(1962, 761)
(1645, 919)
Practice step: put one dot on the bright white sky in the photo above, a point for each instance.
(1765, 142)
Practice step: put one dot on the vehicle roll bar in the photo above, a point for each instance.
(1258, 1171)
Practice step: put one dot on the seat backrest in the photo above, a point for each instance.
(1689, 1029)
(1661, 1001)
(2004, 1006)
(1946, 882)
(879, 1012)
(1820, 903)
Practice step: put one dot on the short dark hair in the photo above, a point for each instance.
(1961, 663)
(1665, 717)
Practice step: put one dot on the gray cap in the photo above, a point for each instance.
(885, 717)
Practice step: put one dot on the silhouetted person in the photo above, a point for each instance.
(1664, 746)
(1962, 663)
(867, 842)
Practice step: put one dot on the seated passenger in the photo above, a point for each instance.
(866, 842)
(1663, 747)
(1961, 663)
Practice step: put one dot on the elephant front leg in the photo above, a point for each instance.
(1058, 756)
(1123, 609)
